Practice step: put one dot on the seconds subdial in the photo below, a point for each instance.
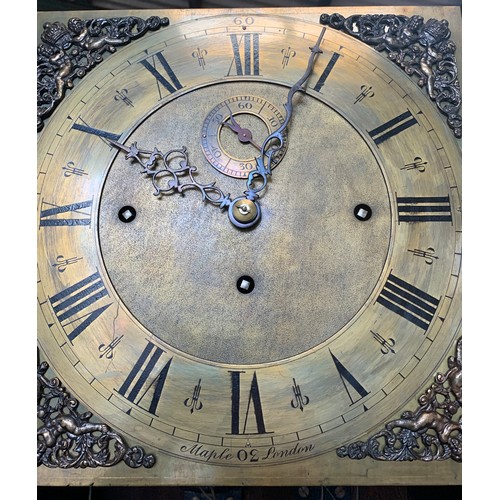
(234, 131)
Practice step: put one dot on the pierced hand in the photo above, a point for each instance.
(244, 211)
(264, 161)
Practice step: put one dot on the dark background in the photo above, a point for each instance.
(333, 492)
(213, 4)
(253, 493)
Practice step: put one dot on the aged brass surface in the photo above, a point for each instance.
(146, 320)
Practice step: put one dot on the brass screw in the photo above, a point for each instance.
(244, 210)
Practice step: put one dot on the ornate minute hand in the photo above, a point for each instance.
(277, 134)
(244, 211)
(268, 150)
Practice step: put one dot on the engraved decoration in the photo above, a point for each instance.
(70, 52)
(68, 439)
(432, 432)
(421, 48)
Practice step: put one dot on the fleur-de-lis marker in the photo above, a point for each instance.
(194, 402)
(299, 400)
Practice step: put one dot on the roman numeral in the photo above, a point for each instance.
(351, 385)
(326, 72)
(424, 209)
(253, 400)
(249, 63)
(80, 216)
(408, 301)
(75, 305)
(103, 134)
(393, 127)
(147, 379)
(168, 80)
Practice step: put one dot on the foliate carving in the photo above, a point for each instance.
(69, 52)
(432, 432)
(423, 49)
(69, 439)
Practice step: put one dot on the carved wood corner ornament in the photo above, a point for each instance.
(68, 439)
(421, 48)
(432, 432)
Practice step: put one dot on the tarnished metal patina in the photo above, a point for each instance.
(69, 51)
(67, 438)
(249, 351)
(421, 48)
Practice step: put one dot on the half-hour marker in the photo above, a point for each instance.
(62, 262)
(387, 344)
(365, 92)
(288, 53)
(107, 350)
(417, 164)
(122, 95)
(429, 255)
(299, 398)
(71, 169)
(194, 402)
(199, 55)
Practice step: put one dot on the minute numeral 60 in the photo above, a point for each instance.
(243, 21)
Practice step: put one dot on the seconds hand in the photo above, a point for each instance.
(244, 135)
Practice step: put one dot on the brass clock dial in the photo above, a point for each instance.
(239, 355)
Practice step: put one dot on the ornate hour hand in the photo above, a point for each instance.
(167, 171)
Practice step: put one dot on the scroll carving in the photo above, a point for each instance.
(68, 439)
(70, 52)
(421, 48)
(432, 432)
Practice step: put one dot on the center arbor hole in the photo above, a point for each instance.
(245, 284)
